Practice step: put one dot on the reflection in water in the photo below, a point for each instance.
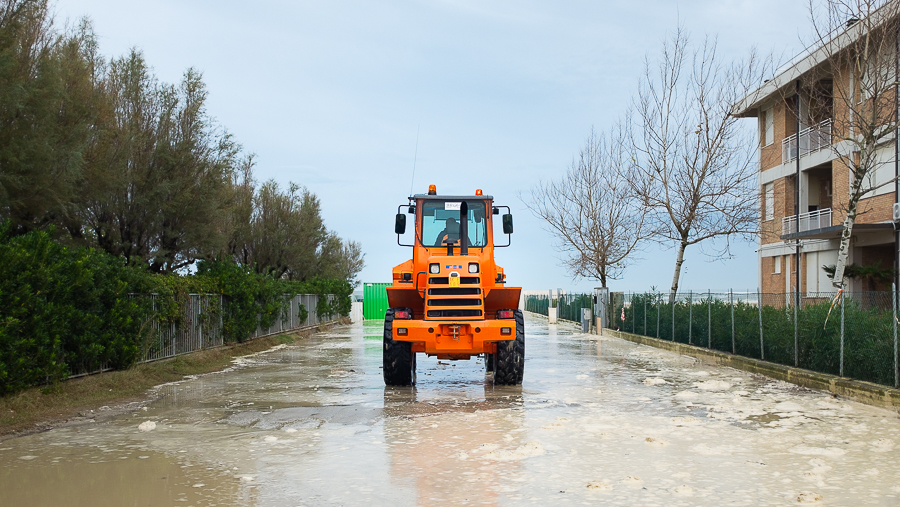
(455, 450)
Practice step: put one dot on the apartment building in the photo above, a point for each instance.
(805, 114)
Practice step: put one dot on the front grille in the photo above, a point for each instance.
(464, 280)
(462, 291)
(454, 302)
(454, 313)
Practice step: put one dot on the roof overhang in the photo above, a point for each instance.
(806, 61)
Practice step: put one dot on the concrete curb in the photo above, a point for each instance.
(856, 390)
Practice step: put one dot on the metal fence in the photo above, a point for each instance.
(568, 305)
(848, 334)
(201, 325)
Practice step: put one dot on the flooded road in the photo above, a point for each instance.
(597, 421)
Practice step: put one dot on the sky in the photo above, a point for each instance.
(348, 97)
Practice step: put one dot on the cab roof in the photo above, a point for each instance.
(454, 197)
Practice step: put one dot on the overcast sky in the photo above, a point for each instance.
(330, 94)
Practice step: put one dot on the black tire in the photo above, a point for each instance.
(398, 360)
(509, 362)
(489, 362)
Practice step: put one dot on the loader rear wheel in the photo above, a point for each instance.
(509, 361)
(398, 360)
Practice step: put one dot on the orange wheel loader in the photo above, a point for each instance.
(451, 300)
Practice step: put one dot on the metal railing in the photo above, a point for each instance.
(201, 325)
(813, 138)
(848, 334)
(806, 221)
(568, 306)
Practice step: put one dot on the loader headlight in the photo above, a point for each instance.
(434, 268)
(473, 267)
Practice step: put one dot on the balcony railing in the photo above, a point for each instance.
(811, 139)
(806, 221)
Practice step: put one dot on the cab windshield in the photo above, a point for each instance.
(441, 221)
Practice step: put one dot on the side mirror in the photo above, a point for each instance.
(507, 224)
(400, 223)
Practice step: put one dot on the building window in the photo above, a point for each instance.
(770, 201)
(769, 126)
(777, 264)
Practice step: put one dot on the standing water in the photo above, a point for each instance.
(597, 421)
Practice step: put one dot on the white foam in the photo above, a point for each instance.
(883, 445)
(147, 426)
(633, 481)
(654, 381)
(818, 451)
(788, 406)
(713, 385)
(684, 489)
(809, 497)
(531, 449)
(599, 486)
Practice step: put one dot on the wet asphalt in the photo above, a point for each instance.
(597, 420)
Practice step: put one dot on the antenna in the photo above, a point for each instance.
(415, 156)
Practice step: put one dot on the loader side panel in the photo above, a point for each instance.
(501, 298)
(403, 297)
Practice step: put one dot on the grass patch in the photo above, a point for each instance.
(41, 408)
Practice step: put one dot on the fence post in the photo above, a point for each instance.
(674, 297)
(894, 310)
(709, 324)
(797, 325)
(842, 332)
(731, 300)
(645, 314)
(762, 345)
(658, 300)
(690, 317)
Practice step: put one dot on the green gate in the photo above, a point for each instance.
(375, 302)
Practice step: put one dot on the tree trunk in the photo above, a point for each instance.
(679, 260)
(844, 251)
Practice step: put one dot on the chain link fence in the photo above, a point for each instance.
(201, 324)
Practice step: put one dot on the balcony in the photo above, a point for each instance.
(813, 138)
(806, 222)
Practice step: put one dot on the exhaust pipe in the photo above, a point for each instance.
(464, 228)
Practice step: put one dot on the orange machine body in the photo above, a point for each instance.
(454, 308)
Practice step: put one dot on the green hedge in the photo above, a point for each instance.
(63, 310)
(66, 310)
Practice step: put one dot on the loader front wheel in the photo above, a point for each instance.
(398, 360)
(509, 361)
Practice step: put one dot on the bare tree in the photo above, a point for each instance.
(591, 211)
(692, 163)
(856, 43)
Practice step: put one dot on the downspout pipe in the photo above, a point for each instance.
(797, 197)
(896, 157)
(797, 244)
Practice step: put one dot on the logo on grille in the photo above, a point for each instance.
(454, 266)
